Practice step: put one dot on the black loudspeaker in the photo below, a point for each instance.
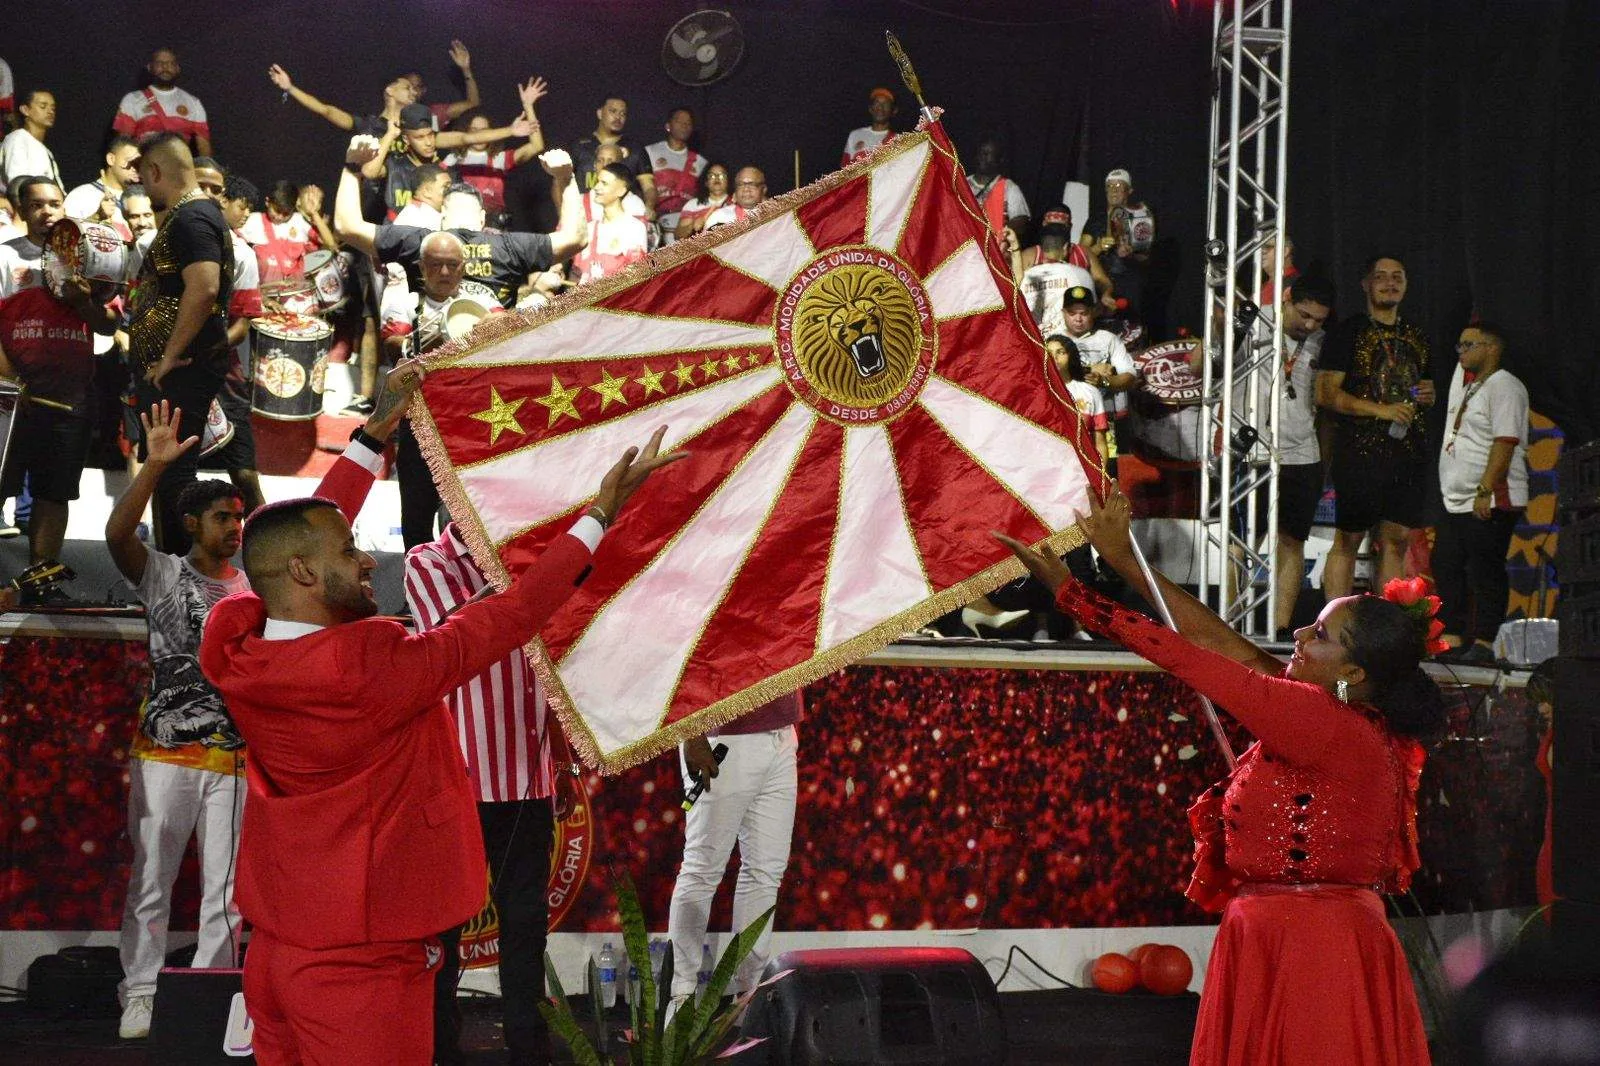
(1575, 754)
(79, 979)
(1578, 477)
(199, 1019)
(849, 1006)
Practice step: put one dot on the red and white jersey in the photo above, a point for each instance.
(613, 244)
(862, 141)
(728, 212)
(1044, 284)
(245, 302)
(1089, 404)
(146, 111)
(280, 247)
(500, 714)
(484, 171)
(677, 176)
(44, 339)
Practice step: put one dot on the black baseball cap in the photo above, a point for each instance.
(1078, 295)
(416, 117)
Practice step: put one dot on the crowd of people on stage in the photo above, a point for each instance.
(419, 211)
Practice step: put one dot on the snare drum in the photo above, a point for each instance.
(327, 272)
(291, 357)
(79, 250)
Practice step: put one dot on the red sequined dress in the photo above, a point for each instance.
(1317, 818)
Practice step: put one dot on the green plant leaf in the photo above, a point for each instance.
(741, 945)
(636, 940)
(597, 1007)
(558, 1014)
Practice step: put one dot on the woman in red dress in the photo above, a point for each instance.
(1315, 822)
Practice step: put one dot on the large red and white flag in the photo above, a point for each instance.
(864, 397)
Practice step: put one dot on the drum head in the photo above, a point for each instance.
(462, 314)
(318, 259)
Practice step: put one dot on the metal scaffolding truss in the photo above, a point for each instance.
(1243, 368)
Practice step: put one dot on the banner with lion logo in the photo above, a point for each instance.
(864, 396)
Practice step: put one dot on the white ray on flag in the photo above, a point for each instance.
(892, 191)
(772, 252)
(590, 334)
(962, 285)
(620, 663)
(875, 570)
(1039, 468)
(524, 488)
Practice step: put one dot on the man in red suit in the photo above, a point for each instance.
(360, 838)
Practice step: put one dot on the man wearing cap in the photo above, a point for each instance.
(1106, 361)
(1048, 269)
(412, 143)
(881, 106)
(1002, 203)
(1122, 243)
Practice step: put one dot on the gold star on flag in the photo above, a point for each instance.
(684, 374)
(652, 381)
(609, 388)
(500, 415)
(709, 367)
(732, 363)
(560, 401)
(756, 356)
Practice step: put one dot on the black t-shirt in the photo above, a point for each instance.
(199, 234)
(400, 176)
(583, 171)
(502, 261)
(1382, 364)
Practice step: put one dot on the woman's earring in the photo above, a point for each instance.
(1341, 689)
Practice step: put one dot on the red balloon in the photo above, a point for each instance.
(1114, 973)
(1138, 953)
(1166, 970)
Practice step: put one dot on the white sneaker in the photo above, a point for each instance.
(135, 1024)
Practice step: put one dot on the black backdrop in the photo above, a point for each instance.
(1458, 131)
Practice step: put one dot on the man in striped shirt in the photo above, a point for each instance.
(505, 735)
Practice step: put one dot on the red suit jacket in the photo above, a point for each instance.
(360, 824)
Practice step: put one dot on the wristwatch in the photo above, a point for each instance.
(360, 434)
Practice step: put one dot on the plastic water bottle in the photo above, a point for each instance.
(608, 976)
(658, 951)
(633, 981)
(707, 965)
(1398, 430)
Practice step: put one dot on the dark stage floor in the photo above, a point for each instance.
(1073, 1028)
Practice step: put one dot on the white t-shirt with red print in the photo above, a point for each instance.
(146, 111)
(44, 339)
(677, 177)
(862, 141)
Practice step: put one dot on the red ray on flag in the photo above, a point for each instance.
(864, 397)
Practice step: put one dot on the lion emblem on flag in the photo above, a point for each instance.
(857, 335)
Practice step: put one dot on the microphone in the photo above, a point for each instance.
(719, 753)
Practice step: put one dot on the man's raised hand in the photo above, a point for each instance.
(279, 77)
(161, 433)
(363, 149)
(629, 473)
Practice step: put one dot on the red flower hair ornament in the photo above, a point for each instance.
(1412, 594)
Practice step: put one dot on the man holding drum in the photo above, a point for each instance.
(44, 341)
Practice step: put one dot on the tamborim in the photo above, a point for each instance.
(76, 250)
(328, 273)
(291, 356)
(218, 431)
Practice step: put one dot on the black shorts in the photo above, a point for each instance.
(240, 452)
(1373, 489)
(1299, 492)
(48, 447)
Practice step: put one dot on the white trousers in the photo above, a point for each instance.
(168, 804)
(751, 803)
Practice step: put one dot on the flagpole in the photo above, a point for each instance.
(1160, 602)
(908, 74)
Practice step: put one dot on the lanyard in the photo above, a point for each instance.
(1461, 412)
(1288, 370)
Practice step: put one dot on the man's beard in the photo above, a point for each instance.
(347, 598)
